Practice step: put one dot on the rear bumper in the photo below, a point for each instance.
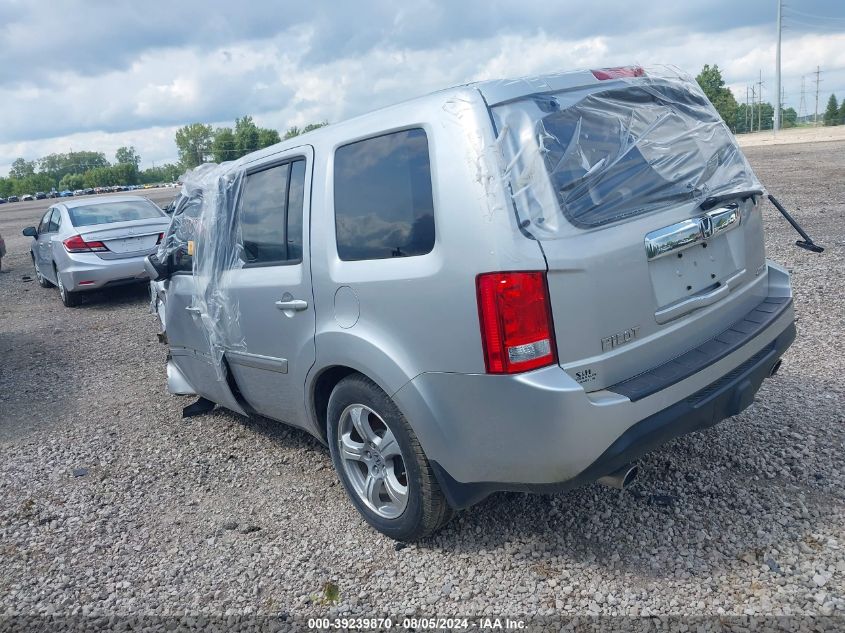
(541, 432)
(80, 268)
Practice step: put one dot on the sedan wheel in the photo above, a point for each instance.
(70, 299)
(42, 280)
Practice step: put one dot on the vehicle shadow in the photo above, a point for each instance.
(117, 297)
(739, 490)
(29, 362)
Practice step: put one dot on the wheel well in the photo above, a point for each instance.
(323, 388)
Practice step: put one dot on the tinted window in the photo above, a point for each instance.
(296, 200)
(262, 215)
(271, 214)
(382, 196)
(109, 212)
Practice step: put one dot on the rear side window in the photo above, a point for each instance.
(109, 212)
(271, 214)
(382, 196)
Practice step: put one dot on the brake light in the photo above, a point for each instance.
(516, 321)
(160, 237)
(76, 244)
(615, 73)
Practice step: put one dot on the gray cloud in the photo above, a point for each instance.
(98, 69)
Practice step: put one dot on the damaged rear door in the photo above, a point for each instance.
(187, 316)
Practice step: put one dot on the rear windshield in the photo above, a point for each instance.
(622, 152)
(109, 212)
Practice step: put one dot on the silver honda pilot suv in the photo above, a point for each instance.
(509, 285)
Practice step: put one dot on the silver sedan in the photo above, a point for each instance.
(95, 243)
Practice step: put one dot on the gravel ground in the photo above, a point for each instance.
(111, 503)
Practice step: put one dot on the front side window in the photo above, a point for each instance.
(45, 222)
(55, 221)
(383, 198)
(271, 214)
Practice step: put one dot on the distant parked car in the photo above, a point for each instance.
(2, 200)
(67, 193)
(89, 191)
(12, 199)
(27, 197)
(40, 195)
(95, 243)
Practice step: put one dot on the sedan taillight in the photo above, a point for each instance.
(76, 244)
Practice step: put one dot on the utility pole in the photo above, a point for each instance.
(760, 103)
(777, 73)
(802, 106)
(753, 101)
(746, 107)
(818, 72)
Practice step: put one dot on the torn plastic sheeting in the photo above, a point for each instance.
(611, 150)
(204, 228)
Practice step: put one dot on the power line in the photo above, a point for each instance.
(818, 80)
(812, 15)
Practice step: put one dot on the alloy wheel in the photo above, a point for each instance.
(372, 461)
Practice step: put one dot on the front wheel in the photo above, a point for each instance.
(70, 299)
(381, 463)
(42, 280)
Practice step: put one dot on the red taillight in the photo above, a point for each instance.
(516, 321)
(160, 237)
(615, 73)
(76, 244)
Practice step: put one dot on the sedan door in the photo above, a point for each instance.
(43, 243)
(272, 287)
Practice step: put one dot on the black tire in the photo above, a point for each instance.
(42, 280)
(70, 299)
(426, 510)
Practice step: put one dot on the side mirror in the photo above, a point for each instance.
(30, 231)
(156, 269)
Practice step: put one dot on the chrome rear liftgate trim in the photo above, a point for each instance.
(687, 233)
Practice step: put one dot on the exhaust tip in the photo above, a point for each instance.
(775, 367)
(621, 479)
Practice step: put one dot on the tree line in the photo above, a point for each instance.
(741, 117)
(197, 143)
(200, 143)
(82, 169)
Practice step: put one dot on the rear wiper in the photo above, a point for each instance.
(712, 201)
(807, 243)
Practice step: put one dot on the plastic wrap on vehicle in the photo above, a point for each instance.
(204, 229)
(610, 150)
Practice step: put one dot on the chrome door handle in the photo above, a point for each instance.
(193, 310)
(294, 304)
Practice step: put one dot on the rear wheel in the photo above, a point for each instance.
(381, 463)
(70, 299)
(42, 280)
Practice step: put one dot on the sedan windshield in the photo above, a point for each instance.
(109, 212)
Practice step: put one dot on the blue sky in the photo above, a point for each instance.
(96, 74)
